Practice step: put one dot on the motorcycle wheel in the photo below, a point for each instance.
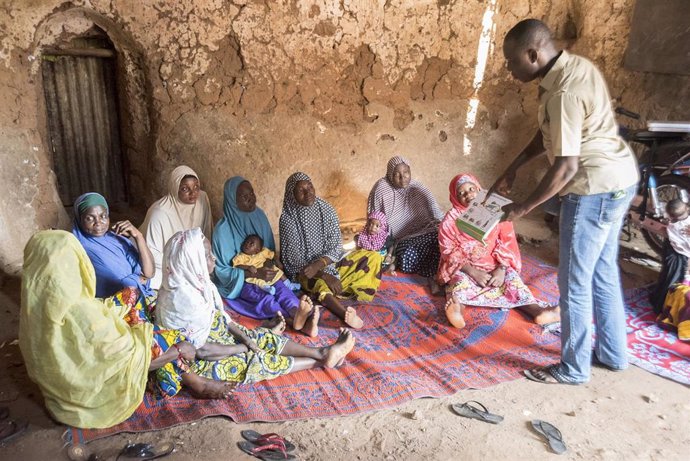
(668, 188)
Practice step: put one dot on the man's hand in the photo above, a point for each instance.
(514, 211)
(503, 184)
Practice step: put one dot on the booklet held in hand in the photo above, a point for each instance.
(480, 219)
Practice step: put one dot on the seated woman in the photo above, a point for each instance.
(186, 206)
(311, 248)
(118, 262)
(478, 274)
(89, 362)
(227, 351)
(241, 217)
(413, 216)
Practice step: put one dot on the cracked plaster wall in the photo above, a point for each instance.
(332, 88)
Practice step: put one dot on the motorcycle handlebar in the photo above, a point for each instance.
(627, 113)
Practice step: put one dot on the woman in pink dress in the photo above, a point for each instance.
(483, 274)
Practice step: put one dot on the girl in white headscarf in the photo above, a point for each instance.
(188, 300)
(186, 206)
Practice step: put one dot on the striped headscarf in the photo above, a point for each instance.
(410, 210)
(376, 241)
(307, 232)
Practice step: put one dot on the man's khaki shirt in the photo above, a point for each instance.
(576, 119)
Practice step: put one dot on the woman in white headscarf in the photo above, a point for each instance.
(186, 206)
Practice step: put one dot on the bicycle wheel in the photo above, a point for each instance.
(668, 188)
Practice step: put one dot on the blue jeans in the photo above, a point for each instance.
(589, 283)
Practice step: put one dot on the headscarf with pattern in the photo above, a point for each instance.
(376, 241)
(307, 232)
(410, 210)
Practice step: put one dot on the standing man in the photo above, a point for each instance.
(595, 173)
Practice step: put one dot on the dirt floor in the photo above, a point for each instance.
(627, 415)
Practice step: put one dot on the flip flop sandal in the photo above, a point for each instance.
(551, 434)
(81, 452)
(269, 452)
(267, 439)
(546, 375)
(470, 411)
(145, 451)
(11, 429)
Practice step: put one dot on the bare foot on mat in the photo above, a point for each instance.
(311, 326)
(455, 313)
(302, 313)
(340, 348)
(549, 315)
(204, 388)
(352, 319)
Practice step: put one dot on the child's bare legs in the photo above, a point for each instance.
(455, 311)
(541, 316)
(346, 314)
(311, 326)
(330, 356)
(205, 388)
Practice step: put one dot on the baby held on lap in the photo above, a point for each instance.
(254, 256)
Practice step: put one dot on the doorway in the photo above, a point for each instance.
(80, 87)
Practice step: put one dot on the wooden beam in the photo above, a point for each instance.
(86, 52)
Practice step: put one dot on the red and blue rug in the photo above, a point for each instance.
(405, 351)
(651, 347)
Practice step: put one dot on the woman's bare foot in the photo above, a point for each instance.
(339, 349)
(311, 326)
(352, 319)
(455, 312)
(548, 315)
(302, 313)
(204, 388)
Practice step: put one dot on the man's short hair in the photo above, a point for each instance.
(529, 32)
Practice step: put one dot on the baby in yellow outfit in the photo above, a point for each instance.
(253, 255)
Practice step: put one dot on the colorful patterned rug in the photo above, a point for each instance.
(406, 350)
(653, 348)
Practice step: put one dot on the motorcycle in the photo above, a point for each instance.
(664, 164)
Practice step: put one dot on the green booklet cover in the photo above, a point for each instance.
(480, 219)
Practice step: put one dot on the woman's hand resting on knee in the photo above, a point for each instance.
(333, 283)
(481, 277)
(498, 276)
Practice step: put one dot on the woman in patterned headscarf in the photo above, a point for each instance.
(413, 216)
(311, 250)
(483, 274)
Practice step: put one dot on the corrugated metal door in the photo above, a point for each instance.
(81, 101)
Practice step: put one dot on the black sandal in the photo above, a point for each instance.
(145, 451)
